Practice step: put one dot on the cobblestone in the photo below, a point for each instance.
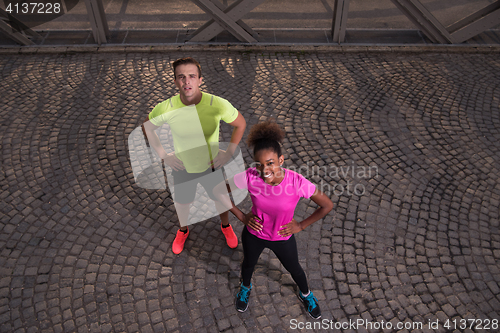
(406, 145)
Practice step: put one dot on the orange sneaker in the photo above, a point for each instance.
(180, 239)
(231, 239)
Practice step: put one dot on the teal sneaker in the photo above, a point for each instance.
(242, 298)
(311, 304)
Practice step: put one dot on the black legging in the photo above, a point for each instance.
(286, 251)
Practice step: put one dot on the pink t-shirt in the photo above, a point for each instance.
(274, 205)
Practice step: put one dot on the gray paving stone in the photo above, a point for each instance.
(82, 248)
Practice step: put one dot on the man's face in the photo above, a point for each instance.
(188, 81)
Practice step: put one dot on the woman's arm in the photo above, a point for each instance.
(325, 206)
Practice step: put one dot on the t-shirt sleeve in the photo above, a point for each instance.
(241, 180)
(228, 112)
(305, 187)
(156, 115)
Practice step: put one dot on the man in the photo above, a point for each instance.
(186, 163)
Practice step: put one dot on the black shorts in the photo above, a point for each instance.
(185, 184)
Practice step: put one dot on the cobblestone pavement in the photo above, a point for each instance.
(407, 145)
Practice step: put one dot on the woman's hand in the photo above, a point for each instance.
(253, 222)
(290, 228)
(293, 226)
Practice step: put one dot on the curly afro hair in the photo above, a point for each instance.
(266, 135)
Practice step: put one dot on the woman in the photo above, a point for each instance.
(275, 192)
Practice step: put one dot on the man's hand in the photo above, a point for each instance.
(221, 159)
(253, 222)
(290, 228)
(172, 161)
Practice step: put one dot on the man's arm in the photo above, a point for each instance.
(154, 141)
(239, 125)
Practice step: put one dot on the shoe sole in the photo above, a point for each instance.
(177, 252)
(310, 315)
(231, 246)
(239, 310)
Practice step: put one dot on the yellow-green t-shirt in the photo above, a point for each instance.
(194, 128)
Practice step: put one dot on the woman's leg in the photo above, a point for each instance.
(288, 255)
(252, 248)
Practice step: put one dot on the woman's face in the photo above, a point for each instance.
(268, 163)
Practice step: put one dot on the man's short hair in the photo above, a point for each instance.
(184, 61)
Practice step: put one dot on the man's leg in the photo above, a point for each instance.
(227, 230)
(224, 218)
(183, 214)
(209, 184)
(183, 196)
(183, 232)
